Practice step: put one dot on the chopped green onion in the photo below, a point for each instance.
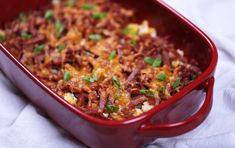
(70, 3)
(67, 76)
(112, 108)
(161, 77)
(87, 79)
(147, 92)
(116, 82)
(154, 62)
(149, 60)
(151, 92)
(25, 35)
(95, 37)
(133, 42)
(92, 79)
(112, 55)
(22, 17)
(39, 49)
(88, 6)
(126, 30)
(94, 76)
(130, 31)
(176, 84)
(59, 28)
(48, 15)
(134, 33)
(157, 62)
(143, 91)
(61, 47)
(194, 76)
(2, 37)
(99, 15)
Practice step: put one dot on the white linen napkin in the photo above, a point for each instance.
(22, 125)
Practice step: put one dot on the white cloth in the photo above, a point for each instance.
(22, 125)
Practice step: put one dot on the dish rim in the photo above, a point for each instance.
(202, 78)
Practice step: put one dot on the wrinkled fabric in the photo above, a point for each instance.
(23, 125)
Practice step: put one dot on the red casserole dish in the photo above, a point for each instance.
(181, 113)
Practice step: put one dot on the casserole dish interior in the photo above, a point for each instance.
(166, 25)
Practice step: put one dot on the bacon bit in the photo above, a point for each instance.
(137, 100)
(166, 58)
(135, 91)
(134, 73)
(103, 99)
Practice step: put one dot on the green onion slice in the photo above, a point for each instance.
(161, 77)
(25, 35)
(48, 15)
(67, 76)
(112, 55)
(157, 62)
(59, 28)
(88, 6)
(116, 81)
(176, 84)
(112, 108)
(39, 49)
(99, 15)
(95, 37)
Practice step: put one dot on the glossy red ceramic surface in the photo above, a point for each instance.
(181, 113)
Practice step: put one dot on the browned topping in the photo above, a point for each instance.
(95, 56)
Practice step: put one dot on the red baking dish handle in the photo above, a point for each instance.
(175, 129)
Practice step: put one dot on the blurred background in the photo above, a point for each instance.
(21, 125)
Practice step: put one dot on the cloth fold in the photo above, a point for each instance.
(22, 125)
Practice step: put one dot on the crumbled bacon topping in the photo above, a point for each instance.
(95, 55)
